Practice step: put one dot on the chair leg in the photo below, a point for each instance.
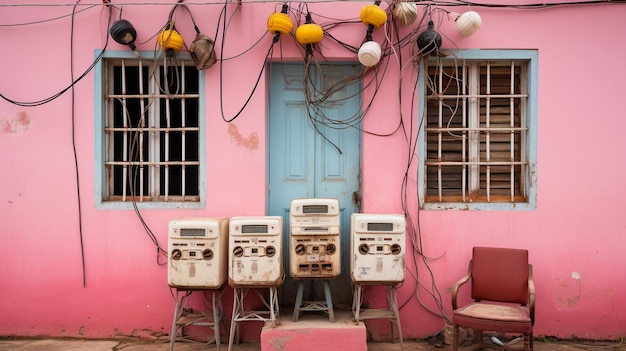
(455, 338)
(528, 342)
(479, 339)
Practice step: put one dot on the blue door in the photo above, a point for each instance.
(315, 152)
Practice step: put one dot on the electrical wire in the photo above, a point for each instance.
(256, 84)
(347, 46)
(414, 231)
(530, 6)
(74, 12)
(64, 90)
(316, 98)
(76, 168)
(134, 151)
(169, 88)
(413, 225)
(74, 150)
(521, 5)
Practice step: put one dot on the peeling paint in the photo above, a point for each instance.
(147, 334)
(566, 297)
(251, 142)
(279, 343)
(16, 126)
(572, 300)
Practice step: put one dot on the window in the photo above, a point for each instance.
(149, 132)
(479, 131)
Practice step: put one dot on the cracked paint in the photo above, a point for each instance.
(16, 126)
(251, 142)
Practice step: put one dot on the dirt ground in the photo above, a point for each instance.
(22, 344)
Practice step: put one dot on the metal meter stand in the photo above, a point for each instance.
(241, 315)
(391, 312)
(308, 306)
(187, 317)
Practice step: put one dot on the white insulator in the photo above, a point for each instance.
(369, 53)
(406, 12)
(468, 23)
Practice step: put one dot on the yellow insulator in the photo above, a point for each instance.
(309, 33)
(279, 22)
(373, 15)
(170, 39)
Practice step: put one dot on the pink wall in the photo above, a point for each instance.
(575, 236)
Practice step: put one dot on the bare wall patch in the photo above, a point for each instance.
(251, 142)
(20, 124)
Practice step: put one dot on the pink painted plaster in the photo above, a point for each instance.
(575, 236)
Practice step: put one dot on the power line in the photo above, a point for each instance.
(425, 3)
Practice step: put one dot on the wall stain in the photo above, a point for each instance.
(251, 142)
(279, 343)
(16, 126)
(572, 296)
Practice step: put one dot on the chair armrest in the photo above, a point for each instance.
(457, 285)
(531, 294)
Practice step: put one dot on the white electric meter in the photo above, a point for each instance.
(198, 254)
(378, 245)
(314, 238)
(255, 251)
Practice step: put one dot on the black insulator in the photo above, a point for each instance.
(429, 42)
(123, 32)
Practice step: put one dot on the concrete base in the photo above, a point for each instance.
(313, 331)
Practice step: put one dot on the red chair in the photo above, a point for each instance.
(503, 295)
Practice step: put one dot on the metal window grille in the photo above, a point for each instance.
(475, 132)
(152, 131)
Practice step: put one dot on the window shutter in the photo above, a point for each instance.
(475, 130)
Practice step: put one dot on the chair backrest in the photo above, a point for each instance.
(500, 274)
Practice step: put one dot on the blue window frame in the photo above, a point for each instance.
(478, 130)
(149, 125)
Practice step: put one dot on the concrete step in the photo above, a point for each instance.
(313, 331)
